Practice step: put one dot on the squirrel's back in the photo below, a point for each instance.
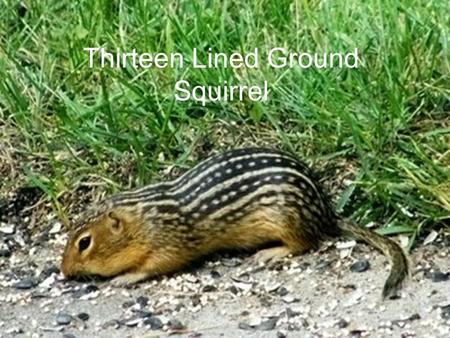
(228, 186)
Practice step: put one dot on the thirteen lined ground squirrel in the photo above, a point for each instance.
(240, 199)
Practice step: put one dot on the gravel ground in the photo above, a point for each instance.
(334, 292)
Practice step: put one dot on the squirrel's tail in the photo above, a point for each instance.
(399, 262)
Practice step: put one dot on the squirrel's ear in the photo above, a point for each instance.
(117, 224)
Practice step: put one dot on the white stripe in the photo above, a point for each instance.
(135, 196)
(226, 184)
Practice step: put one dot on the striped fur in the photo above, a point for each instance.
(226, 187)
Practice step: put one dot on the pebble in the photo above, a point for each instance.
(69, 335)
(133, 322)
(25, 284)
(91, 288)
(63, 318)
(52, 329)
(244, 326)
(154, 322)
(291, 313)
(15, 331)
(115, 324)
(268, 325)
(48, 271)
(20, 240)
(195, 300)
(143, 313)
(215, 274)
(7, 229)
(242, 278)
(84, 292)
(431, 237)
(289, 299)
(342, 323)
(437, 276)
(243, 286)
(323, 265)
(360, 266)
(5, 253)
(357, 333)
(255, 323)
(39, 295)
(142, 301)
(90, 295)
(127, 304)
(275, 266)
(231, 262)
(272, 287)
(445, 312)
(175, 324)
(446, 241)
(47, 283)
(83, 316)
(345, 245)
(56, 228)
(353, 299)
(282, 291)
(209, 288)
(233, 289)
(191, 278)
(414, 316)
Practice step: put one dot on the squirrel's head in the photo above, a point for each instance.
(108, 241)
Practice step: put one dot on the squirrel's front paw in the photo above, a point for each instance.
(121, 281)
(128, 279)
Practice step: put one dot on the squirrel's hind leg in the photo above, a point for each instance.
(271, 254)
(294, 242)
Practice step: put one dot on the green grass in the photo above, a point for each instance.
(113, 129)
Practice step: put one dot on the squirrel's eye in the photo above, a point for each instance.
(84, 243)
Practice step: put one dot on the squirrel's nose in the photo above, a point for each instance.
(65, 268)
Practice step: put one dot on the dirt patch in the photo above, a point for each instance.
(320, 294)
(19, 203)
